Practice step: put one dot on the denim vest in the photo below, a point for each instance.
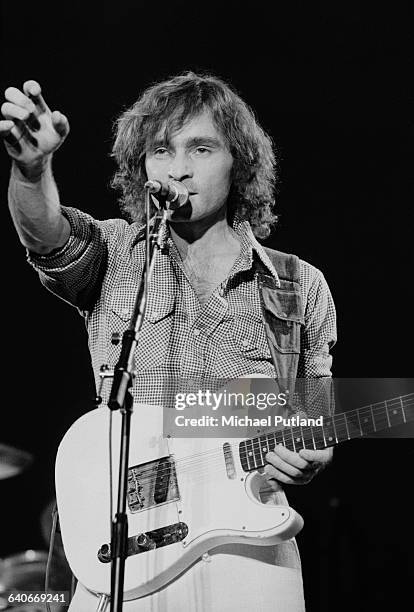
(283, 312)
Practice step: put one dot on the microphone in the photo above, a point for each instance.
(172, 194)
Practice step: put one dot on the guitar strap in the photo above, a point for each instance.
(283, 311)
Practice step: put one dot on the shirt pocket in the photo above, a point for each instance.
(154, 342)
(249, 336)
(282, 309)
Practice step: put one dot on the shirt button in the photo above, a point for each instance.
(196, 331)
(155, 314)
(283, 314)
(245, 342)
(125, 312)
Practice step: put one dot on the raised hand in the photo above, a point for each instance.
(30, 130)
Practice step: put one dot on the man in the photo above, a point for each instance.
(204, 313)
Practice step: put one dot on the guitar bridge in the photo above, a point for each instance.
(148, 541)
(151, 484)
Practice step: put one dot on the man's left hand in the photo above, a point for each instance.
(288, 467)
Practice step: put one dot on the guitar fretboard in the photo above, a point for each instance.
(338, 428)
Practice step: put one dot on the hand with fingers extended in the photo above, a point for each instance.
(30, 130)
(31, 133)
(289, 467)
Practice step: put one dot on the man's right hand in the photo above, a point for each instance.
(30, 130)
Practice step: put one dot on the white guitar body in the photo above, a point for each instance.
(209, 495)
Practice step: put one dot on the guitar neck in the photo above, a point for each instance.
(335, 429)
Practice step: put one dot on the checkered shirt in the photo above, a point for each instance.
(98, 271)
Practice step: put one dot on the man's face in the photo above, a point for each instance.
(196, 155)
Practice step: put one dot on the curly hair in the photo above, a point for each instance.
(169, 105)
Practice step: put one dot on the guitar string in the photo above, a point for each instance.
(289, 432)
(297, 431)
(148, 475)
(196, 473)
(293, 431)
(197, 468)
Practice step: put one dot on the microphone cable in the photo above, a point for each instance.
(50, 553)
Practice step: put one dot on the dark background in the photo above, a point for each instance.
(330, 81)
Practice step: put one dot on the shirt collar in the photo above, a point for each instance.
(249, 244)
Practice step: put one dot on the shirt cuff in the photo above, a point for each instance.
(72, 250)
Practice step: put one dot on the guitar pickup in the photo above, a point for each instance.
(157, 538)
(151, 484)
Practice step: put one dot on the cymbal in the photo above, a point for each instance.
(13, 461)
(26, 571)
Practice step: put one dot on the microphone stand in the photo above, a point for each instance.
(122, 399)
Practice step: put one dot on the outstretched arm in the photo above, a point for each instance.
(31, 133)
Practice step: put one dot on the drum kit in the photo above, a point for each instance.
(26, 571)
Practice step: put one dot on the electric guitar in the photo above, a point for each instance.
(185, 496)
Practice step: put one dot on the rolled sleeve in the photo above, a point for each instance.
(78, 242)
(75, 271)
